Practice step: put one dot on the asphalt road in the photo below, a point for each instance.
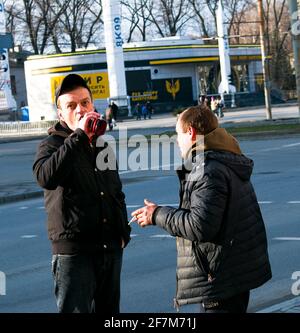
(148, 277)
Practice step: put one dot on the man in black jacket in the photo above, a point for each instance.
(87, 217)
(221, 237)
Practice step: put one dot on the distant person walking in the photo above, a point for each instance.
(115, 110)
(149, 109)
(144, 111)
(204, 100)
(109, 117)
(220, 106)
(138, 111)
(214, 105)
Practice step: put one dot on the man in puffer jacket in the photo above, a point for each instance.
(221, 239)
(87, 217)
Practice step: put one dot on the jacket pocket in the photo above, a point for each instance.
(80, 213)
(210, 257)
(201, 258)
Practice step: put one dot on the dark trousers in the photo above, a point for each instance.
(85, 283)
(235, 304)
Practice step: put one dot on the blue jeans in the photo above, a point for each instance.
(86, 283)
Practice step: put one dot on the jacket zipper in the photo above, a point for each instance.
(176, 304)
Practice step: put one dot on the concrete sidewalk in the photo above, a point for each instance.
(164, 122)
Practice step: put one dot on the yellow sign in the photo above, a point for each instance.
(137, 96)
(97, 82)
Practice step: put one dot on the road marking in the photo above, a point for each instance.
(161, 204)
(293, 202)
(274, 148)
(23, 207)
(291, 145)
(41, 207)
(265, 202)
(161, 236)
(28, 236)
(287, 238)
(134, 206)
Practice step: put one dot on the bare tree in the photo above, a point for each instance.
(279, 42)
(137, 14)
(80, 22)
(36, 19)
(10, 15)
(170, 16)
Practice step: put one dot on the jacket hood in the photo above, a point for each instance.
(220, 139)
(60, 129)
(221, 146)
(241, 165)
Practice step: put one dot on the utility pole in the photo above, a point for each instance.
(264, 59)
(295, 30)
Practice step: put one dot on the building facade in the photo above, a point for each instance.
(171, 73)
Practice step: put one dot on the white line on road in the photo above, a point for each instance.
(161, 204)
(161, 236)
(265, 202)
(293, 202)
(23, 207)
(28, 236)
(287, 238)
(291, 145)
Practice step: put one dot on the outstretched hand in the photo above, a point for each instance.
(143, 216)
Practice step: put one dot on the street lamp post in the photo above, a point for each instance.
(264, 59)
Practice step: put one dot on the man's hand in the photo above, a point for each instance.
(85, 120)
(143, 216)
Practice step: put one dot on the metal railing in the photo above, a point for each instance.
(18, 128)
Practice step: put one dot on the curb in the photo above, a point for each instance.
(286, 307)
(31, 195)
(20, 197)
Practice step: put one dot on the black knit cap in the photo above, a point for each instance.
(69, 83)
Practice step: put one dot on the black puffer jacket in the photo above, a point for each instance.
(221, 237)
(85, 206)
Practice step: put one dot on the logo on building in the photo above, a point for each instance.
(173, 87)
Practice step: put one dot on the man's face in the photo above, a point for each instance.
(184, 139)
(73, 105)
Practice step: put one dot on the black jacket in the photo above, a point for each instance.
(85, 206)
(221, 237)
